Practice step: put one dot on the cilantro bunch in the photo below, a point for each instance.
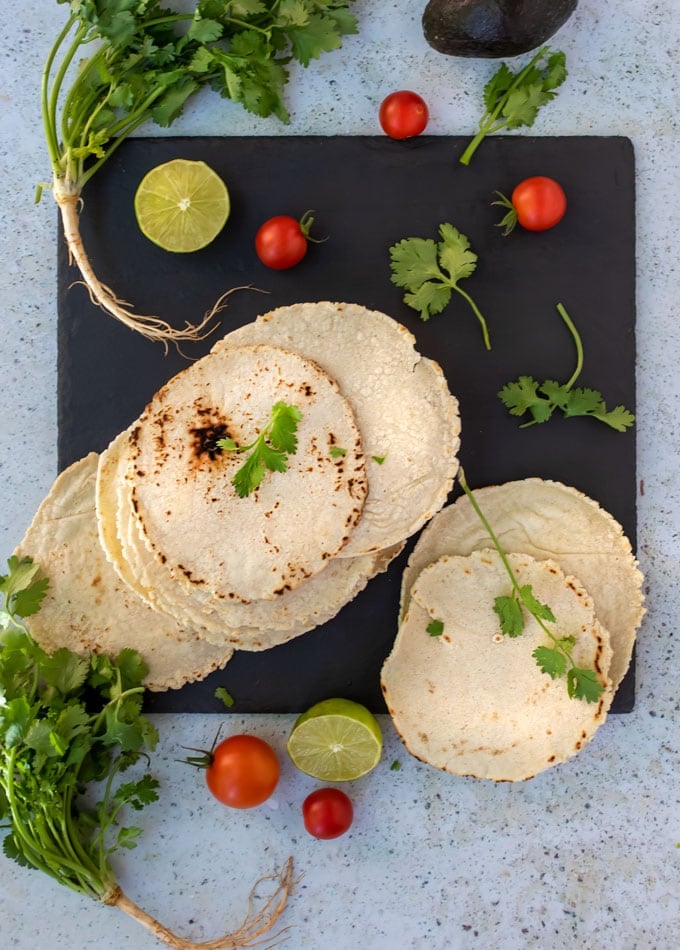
(512, 99)
(431, 270)
(541, 400)
(66, 721)
(133, 61)
(555, 660)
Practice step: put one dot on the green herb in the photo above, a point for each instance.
(556, 660)
(65, 721)
(512, 99)
(396, 766)
(336, 452)
(435, 628)
(430, 270)
(69, 724)
(117, 64)
(379, 459)
(269, 451)
(225, 696)
(540, 400)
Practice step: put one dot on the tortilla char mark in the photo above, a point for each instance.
(205, 438)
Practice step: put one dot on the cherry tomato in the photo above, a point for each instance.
(243, 772)
(327, 813)
(281, 242)
(403, 114)
(537, 204)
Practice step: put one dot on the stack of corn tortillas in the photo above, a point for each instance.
(474, 702)
(150, 545)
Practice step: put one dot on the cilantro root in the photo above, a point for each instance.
(66, 722)
(255, 926)
(145, 61)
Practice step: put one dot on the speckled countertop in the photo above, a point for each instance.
(583, 855)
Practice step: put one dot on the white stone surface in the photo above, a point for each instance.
(584, 855)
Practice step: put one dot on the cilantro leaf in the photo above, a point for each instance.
(249, 476)
(435, 628)
(512, 99)
(430, 298)
(455, 255)
(551, 660)
(23, 592)
(225, 696)
(618, 418)
(510, 615)
(269, 451)
(430, 270)
(282, 434)
(521, 396)
(64, 670)
(582, 402)
(312, 38)
(584, 684)
(534, 606)
(540, 400)
(137, 794)
(497, 87)
(127, 838)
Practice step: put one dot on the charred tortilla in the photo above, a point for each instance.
(409, 421)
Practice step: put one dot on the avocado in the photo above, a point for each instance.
(492, 28)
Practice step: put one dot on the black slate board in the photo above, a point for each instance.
(368, 193)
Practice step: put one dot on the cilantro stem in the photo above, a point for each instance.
(475, 308)
(501, 553)
(496, 543)
(49, 122)
(558, 643)
(41, 852)
(578, 343)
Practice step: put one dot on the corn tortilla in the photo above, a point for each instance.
(547, 519)
(474, 702)
(88, 608)
(408, 419)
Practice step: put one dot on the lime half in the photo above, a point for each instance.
(182, 205)
(336, 740)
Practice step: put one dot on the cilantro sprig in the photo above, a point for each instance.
(431, 270)
(269, 451)
(512, 99)
(556, 660)
(541, 400)
(66, 721)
